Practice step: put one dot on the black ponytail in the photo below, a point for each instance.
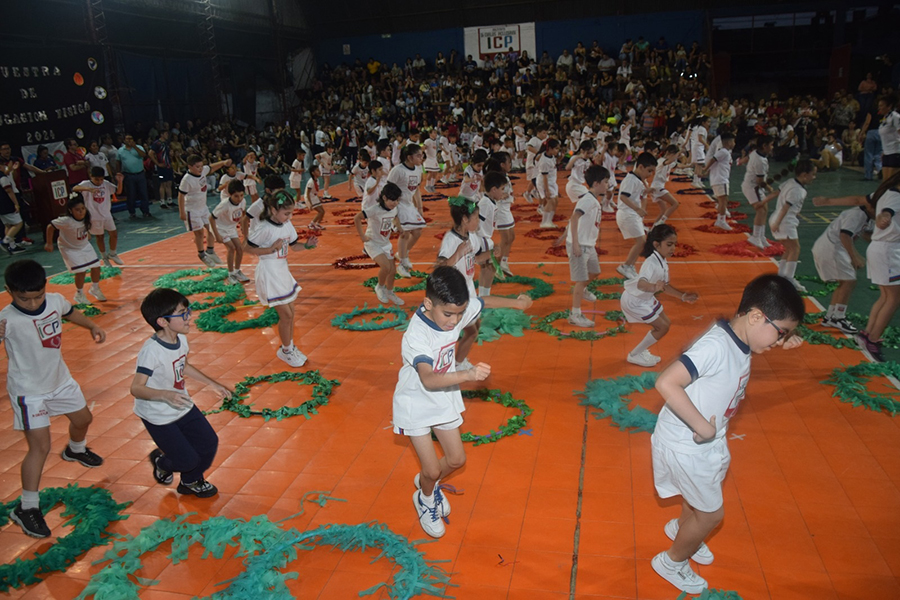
(656, 235)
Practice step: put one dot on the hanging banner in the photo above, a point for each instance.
(50, 94)
(484, 42)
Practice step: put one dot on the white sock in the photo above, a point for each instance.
(504, 261)
(95, 286)
(840, 311)
(781, 268)
(289, 347)
(662, 219)
(759, 231)
(8, 240)
(671, 563)
(30, 500)
(648, 341)
(830, 313)
(576, 311)
(77, 447)
(428, 500)
(484, 292)
(790, 267)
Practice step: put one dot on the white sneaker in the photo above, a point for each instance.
(506, 270)
(216, 260)
(644, 359)
(464, 365)
(697, 182)
(326, 194)
(241, 277)
(293, 357)
(755, 241)
(94, 291)
(395, 298)
(429, 516)
(445, 505)
(608, 209)
(626, 271)
(402, 271)
(232, 280)
(105, 259)
(723, 224)
(727, 214)
(528, 197)
(381, 294)
(80, 298)
(580, 321)
(681, 576)
(589, 296)
(208, 260)
(113, 256)
(703, 555)
(798, 286)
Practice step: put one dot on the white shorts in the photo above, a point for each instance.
(630, 224)
(720, 189)
(79, 261)
(432, 166)
(883, 263)
(584, 267)
(228, 233)
(503, 217)
(695, 477)
(196, 219)
(99, 224)
(698, 154)
(295, 181)
(752, 194)
(658, 193)
(410, 218)
(832, 261)
(374, 249)
(454, 424)
(34, 412)
(530, 172)
(575, 190)
(639, 311)
(326, 172)
(521, 145)
(250, 187)
(787, 231)
(12, 218)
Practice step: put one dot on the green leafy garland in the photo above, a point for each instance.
(539, 287)
(850, 386)
(89, 510)
(69, 278)
(267, 549)
(213, 282)
(594, 286)
(546, 325)
(88, 310)
(513, 424)
(610, 396)
(889, 339)
(343, 321)
(714, 594)
(322, 389)
(499, 321)
(215, 319)
(371, 282)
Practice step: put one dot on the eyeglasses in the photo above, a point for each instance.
(187, 315)
(781, 332)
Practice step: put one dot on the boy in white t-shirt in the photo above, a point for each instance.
(224, 220)
(38, 382)
(785, 218)
(296, 176)
(633, 209)
(756, 187)
(666, 201)
(231, 174)
(356, 180)
(97, 193)
(192, 207)
(532, 148)
(581, 241)
(702, 391)
(719, 167)
(185, 441)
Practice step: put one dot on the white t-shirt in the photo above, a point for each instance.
(360, 174)
(312, 191)
(194, 189)
(714, 147)
(852, 221)
(296, 179)
(267, 233)
(371, 192)
(254, 214)
(661, 176)
(98, 160)
(719, 364)
(466, 264)
(589, 223)
(792, 194)
(889, 129)
(720, 171)
(72, 234)
(634, 189)
(890, 200)
(378, 223)
(578, 168)
(414, 405)
(471, 183)
(163, 363)
(698, 136)
(757, 166)
(407, 179)
(99, 198)
(654, 269)
(531, 150)
(225, 180)
(228, 216)
(33, 341)
(546, 166)
(431, 151)
(487, 210)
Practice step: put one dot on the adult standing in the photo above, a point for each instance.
(75, 163)
(111, 152)
(161, 156)
(889, 132)
(871, 141)
(131, 157)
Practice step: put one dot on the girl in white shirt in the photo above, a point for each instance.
(296, 176)
(376, 238)
(75, 247)
(639, 301)
(547, 187)
(250, 175)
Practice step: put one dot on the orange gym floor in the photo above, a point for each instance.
(567, 509)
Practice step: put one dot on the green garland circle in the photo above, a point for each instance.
(267, 548)
(69, 278)
(342, 321)
(513, 424)
(539, 287)
(610, 397)
(594, 286)
(546, 325)
(321, 391)
(89, 510)
(215, 319)
(211, 283)
(371, 282)
(851, 386)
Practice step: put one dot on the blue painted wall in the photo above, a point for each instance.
(395, 49)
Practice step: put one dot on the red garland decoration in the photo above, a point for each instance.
(305, 234)
(710, 204)
(538, 218)
(345, 222)
(561, 251)
(548, 235)
(735, 215)
(440, 235)
(607, 217)
(683, 250)
(744, 248)
(346, 263)
(523, 207)
(343, 212)
(736, 228)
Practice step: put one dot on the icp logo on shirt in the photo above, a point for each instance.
(49, 330)
(445, 358)
(738, 396)
(178, 372)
